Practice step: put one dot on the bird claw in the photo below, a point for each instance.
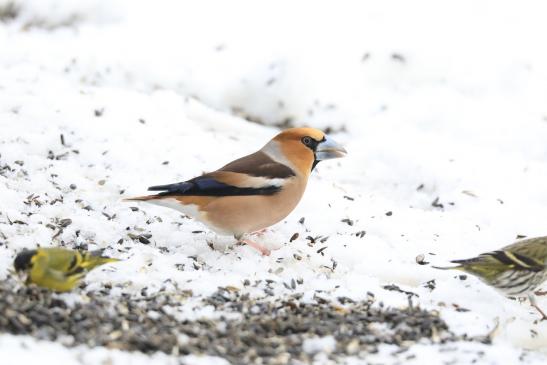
(266, 252)
(260, 232)
(257, 246)
(540, 293)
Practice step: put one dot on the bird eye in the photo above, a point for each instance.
(307, 141)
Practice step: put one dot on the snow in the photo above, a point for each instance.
(446, 95)
(26, 350)
(316, 345)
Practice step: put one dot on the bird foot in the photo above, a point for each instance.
(257, 246)
(543, 316)
(260, 232)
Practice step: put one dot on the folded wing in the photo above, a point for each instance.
(255, 174)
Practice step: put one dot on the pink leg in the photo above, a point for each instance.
(260, 232)
(257, 246)
(534, 304)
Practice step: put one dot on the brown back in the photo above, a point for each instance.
(259, 164)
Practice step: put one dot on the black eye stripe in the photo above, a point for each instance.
(309, 142)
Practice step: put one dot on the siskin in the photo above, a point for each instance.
(57, 269)
(515, 270)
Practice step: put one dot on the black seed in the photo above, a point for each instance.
(436, 203)
(65, 222)
(348, 221)
(144, 240)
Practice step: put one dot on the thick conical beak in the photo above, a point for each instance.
(328, 149)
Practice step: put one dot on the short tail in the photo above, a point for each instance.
(181, 188)
(92, 260)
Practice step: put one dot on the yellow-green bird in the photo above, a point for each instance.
(515, 270)
(57, 269)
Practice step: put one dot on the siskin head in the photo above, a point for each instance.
(23, 260)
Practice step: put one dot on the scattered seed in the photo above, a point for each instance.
(394, 287)
(460, 309)
(348, 221)
(65, 222)
(58, 233)
(420, 259)
(398, 57)
(431, 284)
(360, 234)
(435, 203)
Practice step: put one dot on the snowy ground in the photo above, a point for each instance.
(442, 107)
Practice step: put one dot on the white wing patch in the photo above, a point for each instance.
(190, 210)
(261, 182)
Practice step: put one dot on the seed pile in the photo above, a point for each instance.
(269, 331)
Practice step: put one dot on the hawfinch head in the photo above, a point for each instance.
(304, 148)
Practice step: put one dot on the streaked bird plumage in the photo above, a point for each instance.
(58, 269)
(515, 270)
(255, 191)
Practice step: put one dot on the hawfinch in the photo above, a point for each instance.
(255, 191)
